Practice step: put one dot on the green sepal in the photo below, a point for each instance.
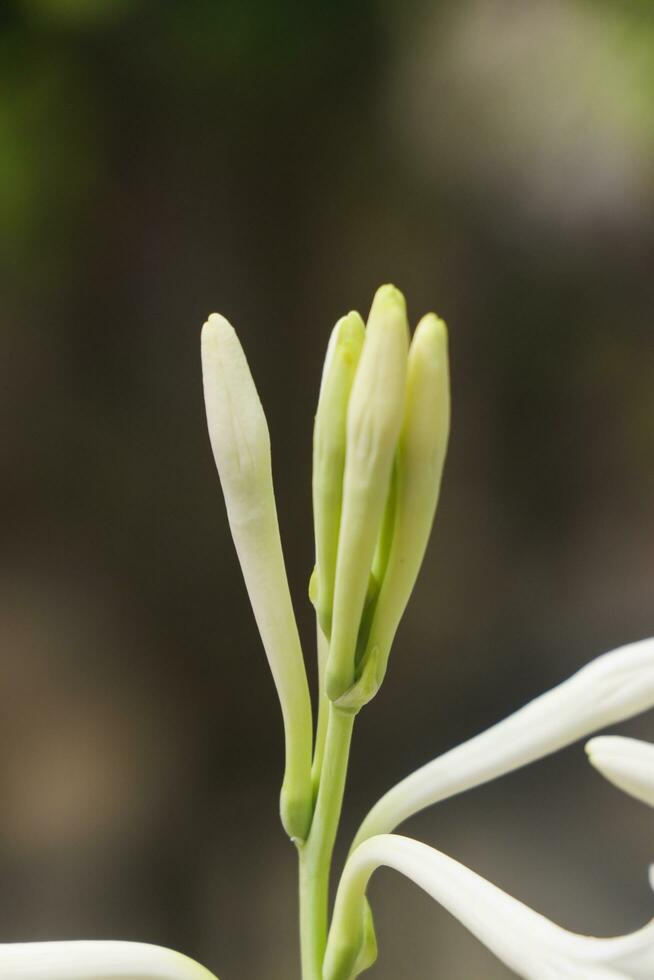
(352, 956)
(368, 949)
(368, 683)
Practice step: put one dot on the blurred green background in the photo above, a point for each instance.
(276, 162)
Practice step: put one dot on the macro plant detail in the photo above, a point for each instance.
(380, 441)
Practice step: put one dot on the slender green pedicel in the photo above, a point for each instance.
(380, 440)
(373, 426)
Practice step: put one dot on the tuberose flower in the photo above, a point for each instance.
(527, 942)
(96, 960)
(611, 688)
(380, 440)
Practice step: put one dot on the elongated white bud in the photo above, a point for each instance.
(375, 413)
(418, 470)
(329, 441)
(241, 448)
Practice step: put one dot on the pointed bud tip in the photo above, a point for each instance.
(350, 333)
(388, 316)
(388, 297)
(611, 745)
(433, 323)
(216, 331)
(431, 330)
(596, 744)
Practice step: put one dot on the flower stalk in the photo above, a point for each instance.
(315, 854)
(380, 441)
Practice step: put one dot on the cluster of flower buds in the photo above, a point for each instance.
(380, 440)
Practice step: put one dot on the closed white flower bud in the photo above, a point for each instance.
(241, 448)
(418, 470)
(329, 442)
(374, 419)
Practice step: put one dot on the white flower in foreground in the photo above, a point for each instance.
(531, 945)
(98, 960)
(241, 448)
(626, 762)
(611, 688)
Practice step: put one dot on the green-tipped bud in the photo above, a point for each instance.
(241, 448)
(419, 469)
(374, 420)
(329, 436)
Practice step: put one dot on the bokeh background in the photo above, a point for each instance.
(276, 162)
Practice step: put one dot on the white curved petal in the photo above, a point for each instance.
(531, 945)
(626, 762)
(613, 687)
(241, 448)
(96, 960)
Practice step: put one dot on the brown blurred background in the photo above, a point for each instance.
(276, 162)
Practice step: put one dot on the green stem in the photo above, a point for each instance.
(323, 712)
(316, 852)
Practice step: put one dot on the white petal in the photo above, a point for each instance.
(626, 762)
(613, 687)
(96, 961)
(531, 945)
(241, 447)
